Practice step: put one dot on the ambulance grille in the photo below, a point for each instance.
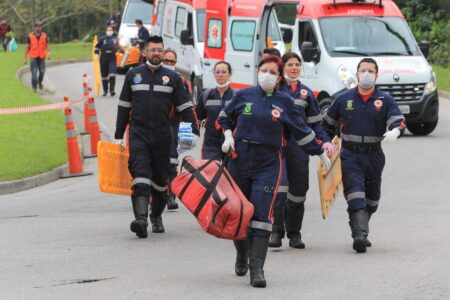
(404, 92)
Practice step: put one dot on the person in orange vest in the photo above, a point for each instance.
(38, 50)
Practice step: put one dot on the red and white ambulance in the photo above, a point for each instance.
(334, 35)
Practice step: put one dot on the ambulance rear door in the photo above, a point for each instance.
(214, 37)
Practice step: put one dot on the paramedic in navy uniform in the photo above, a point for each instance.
(211, 102)
(261, 117)
(368, 117)
(150, 92)
(291, 212)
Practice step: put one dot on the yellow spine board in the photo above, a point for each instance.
(330, 184)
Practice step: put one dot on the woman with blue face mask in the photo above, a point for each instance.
(211, 102)
(256, 123)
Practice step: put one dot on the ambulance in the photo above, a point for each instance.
(128, 33)
(186, 24)
(334, 35)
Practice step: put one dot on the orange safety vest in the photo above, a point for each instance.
(38, 47)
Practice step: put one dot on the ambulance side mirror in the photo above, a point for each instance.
(425, 48)
(310, 52)
(186, 37)
(287, 35)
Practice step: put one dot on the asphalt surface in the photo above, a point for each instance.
(67, 240)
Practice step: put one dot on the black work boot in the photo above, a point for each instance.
(257, 257)
(294, 220)
(368, 243)
(105, 87)
(140, 210)
(112, 85)
(171, 202)
(241, 265)
(278, 227)
(358, 222)
(158, 205)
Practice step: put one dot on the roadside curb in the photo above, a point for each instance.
(444, 94)
(14, 186)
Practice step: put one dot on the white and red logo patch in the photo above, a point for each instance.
(275, 114)
(303, 94)
(165, 80)
(378, 104)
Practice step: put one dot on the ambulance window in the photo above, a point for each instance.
(306, 33)
(242, 35)
(180, 20)
(214, 33)
(274, 31)
(201, 15)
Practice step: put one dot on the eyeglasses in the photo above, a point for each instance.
(293, 65)
(264, 71)
(218, 72)
(160, 50)
(364, 70)
(169, 62)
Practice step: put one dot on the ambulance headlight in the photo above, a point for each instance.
(431, 86)
(347, 77)
(124, 42)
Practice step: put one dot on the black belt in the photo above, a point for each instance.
(361, 148)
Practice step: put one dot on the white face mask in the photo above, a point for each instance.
(267, 81)
(366, 80)
(169, 67)
(286, 76)
(109, 33)
(222, 85)
(152, 65)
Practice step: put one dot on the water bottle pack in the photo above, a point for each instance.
(185, 137)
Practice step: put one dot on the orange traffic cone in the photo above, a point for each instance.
(75, 164)
(93, 128)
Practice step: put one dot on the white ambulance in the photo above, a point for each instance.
(333, 36)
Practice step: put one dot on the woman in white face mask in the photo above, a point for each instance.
(260, 118)
(288, 214)
(211, 102)
(106, 48)
(169, 60)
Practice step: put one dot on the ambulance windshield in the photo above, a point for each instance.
(367, 36)
(137, 9)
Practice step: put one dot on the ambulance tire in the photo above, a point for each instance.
(423, 128)
(197, 88)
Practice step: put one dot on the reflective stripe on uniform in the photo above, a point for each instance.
(296, 199)
(310, 137)
(372, 202)
(174, 161)
(140, 180)
(105, 78)
(158, 187)
(140, 87)
(283, 189)
(183, 106)
(112, 75)
(351, 138)
(330, 120)
(124, 103)
(356, 195)
(223, 114)
(314, 119)
(372, 139)
(261, 225)
(213, 103)
(393, 119)
(163, 89)
(300, 102)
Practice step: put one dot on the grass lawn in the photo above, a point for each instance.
(443, 78)
(31, 143)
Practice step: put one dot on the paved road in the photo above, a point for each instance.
(56, 238)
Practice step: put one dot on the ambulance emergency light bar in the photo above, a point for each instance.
(335, 3)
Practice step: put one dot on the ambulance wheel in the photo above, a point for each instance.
(197, 88)
(122, 71)
(323, 105)
(424, 128)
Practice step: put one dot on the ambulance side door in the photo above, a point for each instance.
(159, 10)
(214, 37)
(242, 50)
(306, 33)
